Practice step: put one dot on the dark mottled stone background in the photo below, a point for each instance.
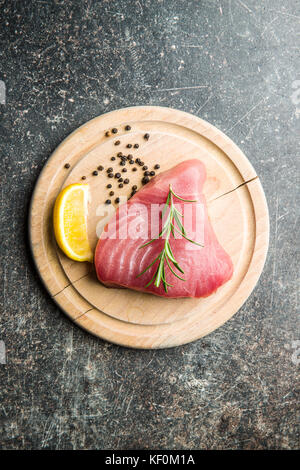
(64, 63)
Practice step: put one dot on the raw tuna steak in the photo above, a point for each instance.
(119, 257)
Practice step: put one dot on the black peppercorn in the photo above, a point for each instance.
(107, 133)
(134, 187)
(131, 162)
(120, 180)
(122, 163)
(134, 169)
(117, 200)
(152, 173)
(111, 193)
(108, 201)
(121, 185)
(118, 175)
(109, 185)
(109, 170)
(146, 136)
(157, 166)
(145, 180)
(95, 173)
(130, 157)
(136, 146)
(114, 130)
(119, 154)
(146, 173)
(126, 181)
(113, 158)
(67, 165)
(129, 146)
(100, 168)
(110, 175)
(83, 177)
(145, 167)
(124, 170)
(127, 128)
(117, 142)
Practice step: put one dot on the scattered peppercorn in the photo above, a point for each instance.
(110, 175)
(117, 142)
(157, 166)
(124, 170)
(141, 163)
(126, 181)
(100, 168)
(114, 130)
(134, 168)
(137, 160)
(121, 185)
(119, 154)
(67, 165)
(131, 162)
(130, 157)
(109, 185)
(134, 187)
(145, 180)
(122, 163)
(146, 136)
(107, 133)
(145, 167)
(111, 193)
(129, 146)
(120, 180)
(146, 173)
(117, 200)
(152, 173)
(118, 175)
(127, 128)
(95, 173)
(109, 170)
(83, 177)
(136, 146)
(108, 201)
(113, 158)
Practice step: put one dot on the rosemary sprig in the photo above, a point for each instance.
(166, 257)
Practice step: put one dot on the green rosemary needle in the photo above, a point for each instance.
(166, 257)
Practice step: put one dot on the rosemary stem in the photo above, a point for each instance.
(166, 255)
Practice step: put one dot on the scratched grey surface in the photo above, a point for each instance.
(235, 63)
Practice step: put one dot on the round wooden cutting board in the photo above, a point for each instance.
(237, 210)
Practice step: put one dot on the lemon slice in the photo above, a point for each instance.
(69, 220)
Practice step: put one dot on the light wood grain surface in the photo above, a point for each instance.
(237, 209)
